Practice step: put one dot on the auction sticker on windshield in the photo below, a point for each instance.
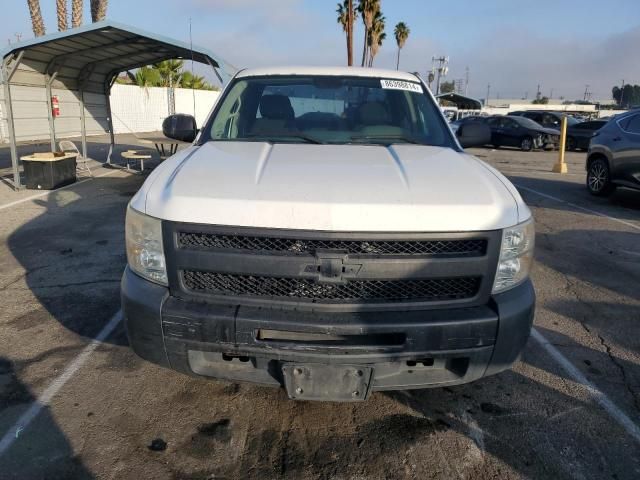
(401, 85)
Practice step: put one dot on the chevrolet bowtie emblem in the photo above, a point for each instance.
(331, 267)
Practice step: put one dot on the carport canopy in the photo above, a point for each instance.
(79, 66)
(461, 101)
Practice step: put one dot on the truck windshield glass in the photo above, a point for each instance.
(328, 110)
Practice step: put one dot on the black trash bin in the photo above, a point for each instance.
(48, 171)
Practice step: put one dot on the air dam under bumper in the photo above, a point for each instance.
(402, 349)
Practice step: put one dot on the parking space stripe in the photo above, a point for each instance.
(597, 394)
(507, 172)
(32, 412)
(48, 192)
(579, 207)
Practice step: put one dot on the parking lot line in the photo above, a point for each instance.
(585, 209)
(32, 412)
(507, 172)
(42, 194)
(604, 401)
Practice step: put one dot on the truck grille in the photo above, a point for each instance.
(301, 289)
(296, 246)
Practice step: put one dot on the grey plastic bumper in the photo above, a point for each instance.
(408, 349)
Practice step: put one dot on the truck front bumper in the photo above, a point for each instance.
(401, 349)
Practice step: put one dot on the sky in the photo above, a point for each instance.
(513, 45)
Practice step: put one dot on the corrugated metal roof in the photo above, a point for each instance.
(461, 101)
(94, 53)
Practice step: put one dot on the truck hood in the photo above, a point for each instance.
(330, 187)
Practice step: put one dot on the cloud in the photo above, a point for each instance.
(515, 62)
(256, 14)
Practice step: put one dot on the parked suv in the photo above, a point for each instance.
(613, 158)
(326, 232)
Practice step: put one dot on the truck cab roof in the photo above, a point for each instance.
(329, 71)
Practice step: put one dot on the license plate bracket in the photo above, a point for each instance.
(329, 383)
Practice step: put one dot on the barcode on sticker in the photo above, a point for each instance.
(401, 85)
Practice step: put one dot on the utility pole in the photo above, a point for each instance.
(586, 93)
(551, 94)
(442, 69)
(458, 85)
(466, 81)
(538, 94)
(430, 78)
(622, 93)
(486, 102)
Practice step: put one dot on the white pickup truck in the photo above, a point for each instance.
(327, 233)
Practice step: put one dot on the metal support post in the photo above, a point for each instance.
(6, 73)
(110, 126)
(83, 128)
(561, 167)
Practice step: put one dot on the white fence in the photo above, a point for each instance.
(134, 110)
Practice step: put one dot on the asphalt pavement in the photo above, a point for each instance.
(75, 402)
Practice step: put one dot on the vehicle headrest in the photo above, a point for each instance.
(373, 113)
(276, 107)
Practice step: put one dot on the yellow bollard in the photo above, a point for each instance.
(561, 167)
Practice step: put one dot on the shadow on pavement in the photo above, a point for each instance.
(42, 450)
(624, 203)
(605, 258)
(74, 255)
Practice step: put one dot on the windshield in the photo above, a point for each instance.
(572, 121)
(327, 110)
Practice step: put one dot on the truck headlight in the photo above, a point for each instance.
(145, 253)
(516, 256)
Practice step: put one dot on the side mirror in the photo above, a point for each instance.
(474, 134)
(180, 127)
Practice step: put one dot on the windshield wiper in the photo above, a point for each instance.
(269, 138)
(404, 138)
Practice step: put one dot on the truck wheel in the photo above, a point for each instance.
(526, 145)
(599, 179)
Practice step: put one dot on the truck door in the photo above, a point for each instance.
(511, 132)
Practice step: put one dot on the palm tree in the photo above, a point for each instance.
(76, 13)
(197, 82)
(347, 25)
(376, 36)
(146, 77)
(170, 72)
(61, 9)
(367, 9)
(37, 24)
(402, 33)
(98, 10)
